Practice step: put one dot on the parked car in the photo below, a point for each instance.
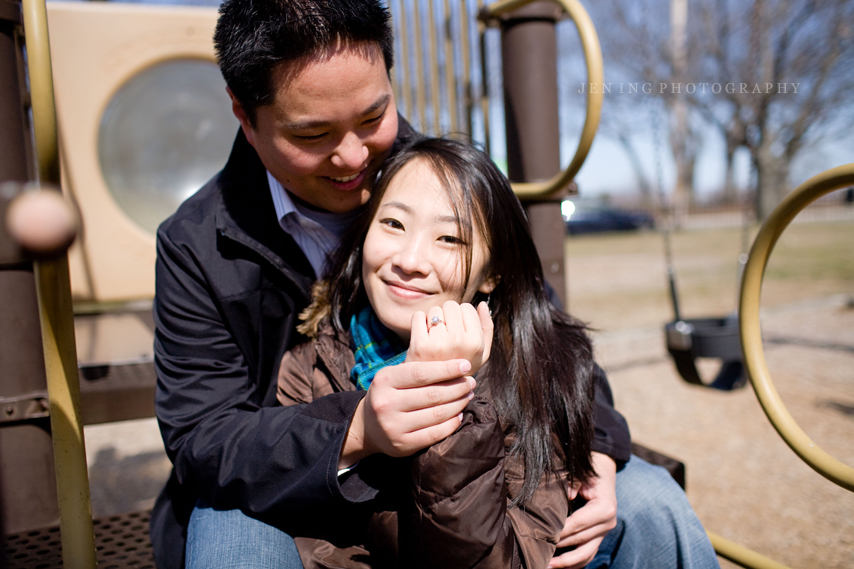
(592, 217)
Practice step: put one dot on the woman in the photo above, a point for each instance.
(447, 233)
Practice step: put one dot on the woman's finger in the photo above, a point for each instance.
(436, 320)
(453, 316)
(471, 319)
(488, 328)
(418, 332)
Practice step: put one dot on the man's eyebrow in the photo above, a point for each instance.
(378, 104)
(309, 124)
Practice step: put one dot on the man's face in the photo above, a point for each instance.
(331, 126)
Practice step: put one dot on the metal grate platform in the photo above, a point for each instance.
(121, 542)
(112, 393)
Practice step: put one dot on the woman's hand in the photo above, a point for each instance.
(452, 331)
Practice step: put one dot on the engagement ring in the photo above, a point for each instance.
(435, 321)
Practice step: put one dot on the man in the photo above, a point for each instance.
(309, 84)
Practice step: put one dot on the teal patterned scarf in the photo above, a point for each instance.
(375, 347)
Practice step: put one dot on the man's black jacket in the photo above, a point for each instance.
(229, 286)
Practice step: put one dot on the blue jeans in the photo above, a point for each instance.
(229, 539)
(656, 526)
(656, 529)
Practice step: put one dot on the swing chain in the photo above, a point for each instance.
(667, 214)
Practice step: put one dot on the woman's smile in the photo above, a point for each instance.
(406, 291)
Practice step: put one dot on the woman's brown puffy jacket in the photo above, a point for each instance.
(444, 507)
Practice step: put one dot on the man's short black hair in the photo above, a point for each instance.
(253, 36)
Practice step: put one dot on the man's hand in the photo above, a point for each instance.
(461, 332)
(408, 407)
(586, 527)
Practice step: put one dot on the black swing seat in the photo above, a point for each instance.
(689, 339)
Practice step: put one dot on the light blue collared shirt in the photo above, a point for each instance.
(316, 232)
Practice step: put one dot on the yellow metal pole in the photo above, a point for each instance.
(484, 81)
(41, 90)
(468, 104)
(740, 555)
(420, 95)
(595, 76)
(751, 333)
(435, 93)
(405, 81)
(397, 31)
(57, 320)
(450, 68)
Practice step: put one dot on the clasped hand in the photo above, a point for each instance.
(420, 402)
(452, 331)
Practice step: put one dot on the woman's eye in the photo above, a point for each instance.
(451, 239)
(392, 223)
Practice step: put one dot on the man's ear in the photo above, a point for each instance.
(242, 117)
(489, 284)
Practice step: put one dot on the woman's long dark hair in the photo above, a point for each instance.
(539, 374)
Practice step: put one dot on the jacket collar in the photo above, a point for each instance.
(334, 351)
(246, 215)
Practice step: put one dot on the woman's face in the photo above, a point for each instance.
(413, 254)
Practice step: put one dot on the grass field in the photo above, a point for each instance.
(618, 281)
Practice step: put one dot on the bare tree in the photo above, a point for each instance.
(647, 46)
(620, 120)
(784, 75)
(774, 76)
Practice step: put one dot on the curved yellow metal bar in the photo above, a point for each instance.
(57, 319)
(740, 555)
(751, 335)
(595, 76)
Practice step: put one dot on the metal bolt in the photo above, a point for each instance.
(10, 410)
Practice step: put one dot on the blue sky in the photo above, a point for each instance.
(607, 169)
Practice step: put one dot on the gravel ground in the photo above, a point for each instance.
(744, 482)
(742, 479)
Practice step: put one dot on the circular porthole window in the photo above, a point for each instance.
(166, 132)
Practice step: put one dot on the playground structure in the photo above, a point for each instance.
(55, 309)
